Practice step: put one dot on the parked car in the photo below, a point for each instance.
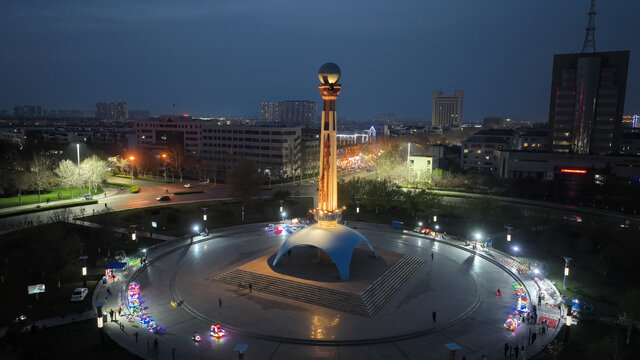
(88, 197)
(164, 198)
(79, 294)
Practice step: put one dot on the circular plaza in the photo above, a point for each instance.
(301, 309)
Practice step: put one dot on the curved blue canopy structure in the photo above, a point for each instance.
(337, 242)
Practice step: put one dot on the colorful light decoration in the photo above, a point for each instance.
(217, 331)
(512, 322)
(133, 299)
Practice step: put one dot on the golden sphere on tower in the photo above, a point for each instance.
(329, 73)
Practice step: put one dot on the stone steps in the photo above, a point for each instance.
(366, 304)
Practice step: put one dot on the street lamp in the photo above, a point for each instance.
(566, 271)
(133, 235)
(204, 215)
(281, 205)
(132, 158)
(283, 215)
(435, 215)
(84, 276)
(478, 236)
(420, 223)
(357, 206)
(164, 156)
(509, 228)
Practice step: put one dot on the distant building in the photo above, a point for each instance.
(270, 112)
(447, 109)
(112, 111)
(139, 114)
(587, 102)
(480, 152)
(630, 141)
(630, 121)
(534, 140)
(289, 113)
(494, 122)
(548, 166)
(275, 150)
(158, 135)
(28, 111)
(420, 167)
(70, 114)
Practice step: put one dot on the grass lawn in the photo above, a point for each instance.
(51, 195)
(179, 219)
(80, 340)
(47, 254)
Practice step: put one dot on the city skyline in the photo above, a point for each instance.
(224, 58)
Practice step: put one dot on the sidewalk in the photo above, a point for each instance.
(44, 205)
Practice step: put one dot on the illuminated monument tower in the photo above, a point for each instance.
(336, 241)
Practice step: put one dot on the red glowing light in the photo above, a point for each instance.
(573, 171)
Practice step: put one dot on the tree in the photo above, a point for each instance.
(176, 159)
(118, 162)
(67, 173)
(42, 175)
(93, 172)
(630, 312)
(243, 179)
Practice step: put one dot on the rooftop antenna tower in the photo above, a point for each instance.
(590, 36)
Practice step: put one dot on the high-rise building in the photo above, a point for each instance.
(587, 102)
(447, 109)
(289, 113)
(270, 112)
(112, 111)
(28, 111)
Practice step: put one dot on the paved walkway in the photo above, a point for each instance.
(189, 265)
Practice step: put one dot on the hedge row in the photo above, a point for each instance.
(185, 192)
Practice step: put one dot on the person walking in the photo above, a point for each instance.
(250, 287)
(506, 349)
(136, 335)
(220, 303)
(431, 256)
(434, 317)
(155, 344)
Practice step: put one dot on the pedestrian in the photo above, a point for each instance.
(506, 349)
(250, 287)
(155, 344)
(516, 350)
(111, 314)
(528, 317)
(136, 335)
(434, 317)
(105, 205)
(530, 336)
(108, 291)
(484, 357)
(220, 303)
(431, 256)
(533, 338)
(119, 311)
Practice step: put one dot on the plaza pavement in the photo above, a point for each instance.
(278, 328)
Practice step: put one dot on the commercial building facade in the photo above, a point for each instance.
(587, 102)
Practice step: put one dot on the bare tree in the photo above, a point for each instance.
(42, 175)
(67, 173)
(176, 159)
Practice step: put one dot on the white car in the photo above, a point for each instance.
(188, 185)
(79, 294)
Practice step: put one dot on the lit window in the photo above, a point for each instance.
(526, 144)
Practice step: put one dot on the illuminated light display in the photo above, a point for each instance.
(573, 171)
(217, 331)
(133, 300)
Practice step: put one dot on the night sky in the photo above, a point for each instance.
(224, 57)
